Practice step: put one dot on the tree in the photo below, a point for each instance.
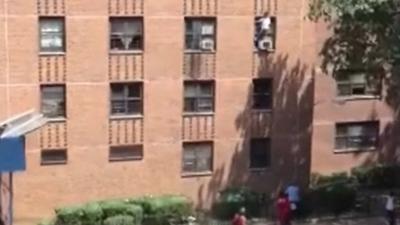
(365, 35)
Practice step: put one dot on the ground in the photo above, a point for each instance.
(359, 221)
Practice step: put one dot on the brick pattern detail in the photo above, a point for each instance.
(51, 7)
(125, 131)
(261, 65)
(126, 67)
(261, 6)
(125, 7)
(52, 69)
(199, 66)
(200, 7)
(198, 128)
(54, 136)
(261, 123)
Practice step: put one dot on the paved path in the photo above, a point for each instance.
(361, 221)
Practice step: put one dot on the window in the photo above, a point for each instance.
(52, 35)
(126, 153)
(356, 136)
(265, 33)
(53, 157)
(262, 93)
(197, 157)
(200, 34)
(126, 34)
(350, 83)
(260, 153)
(53, 101)
(199, 96)
(126, 98)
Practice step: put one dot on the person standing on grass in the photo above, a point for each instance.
(283, 209)
(240, 217)
(390, 209)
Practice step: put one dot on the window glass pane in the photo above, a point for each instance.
(355, 130)
(207, 28)
(340, 142)
(259, 153)
(53, 157)
(190, 90)
(341, 130)
(357, 78)
(190, 105)
(262, 102)
(53, 101)
(51, 41)
(204, 104)
(206, 89)
(126, 34)
(357, 136)
(51, 26)
(122, 153)
(117, 91)
(262, 86)
(344, 89)
(197, 157)
(358, 89)
(118, 107)
(189, 159)
(134, 107)
(134, 90)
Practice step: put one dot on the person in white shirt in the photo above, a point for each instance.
(390, 210)
(293, 192)
(265, 26)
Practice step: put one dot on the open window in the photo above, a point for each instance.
(265, 33)
(200, 34)
(355, 83)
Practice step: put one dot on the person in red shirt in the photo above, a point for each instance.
(240, 217)
(283, 209)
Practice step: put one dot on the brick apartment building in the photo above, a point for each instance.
(173, 96)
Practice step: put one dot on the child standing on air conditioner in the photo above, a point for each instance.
(265, 26)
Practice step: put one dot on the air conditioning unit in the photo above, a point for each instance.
(207, 44)
(265, 44)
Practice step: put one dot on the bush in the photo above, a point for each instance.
(336, 198)
(120, 220)
(156, 211)
(69, 216)
(232, 199)
(318, 180)
(379, 176)
(160, 210)
(121, 207)
(92, 214)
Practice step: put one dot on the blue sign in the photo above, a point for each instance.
(12, 154)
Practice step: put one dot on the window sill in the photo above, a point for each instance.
(126, 159)
(52, 53)
(198, 114)
(196, 174)
(123, 117)
(53, 163)
(56, 120)
(261, 110)
(258, 170)
(258, 51)
(358, 97)
(354, 150)
(199, 52)
(122, 52)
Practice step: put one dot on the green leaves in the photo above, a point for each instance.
(363, 33)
